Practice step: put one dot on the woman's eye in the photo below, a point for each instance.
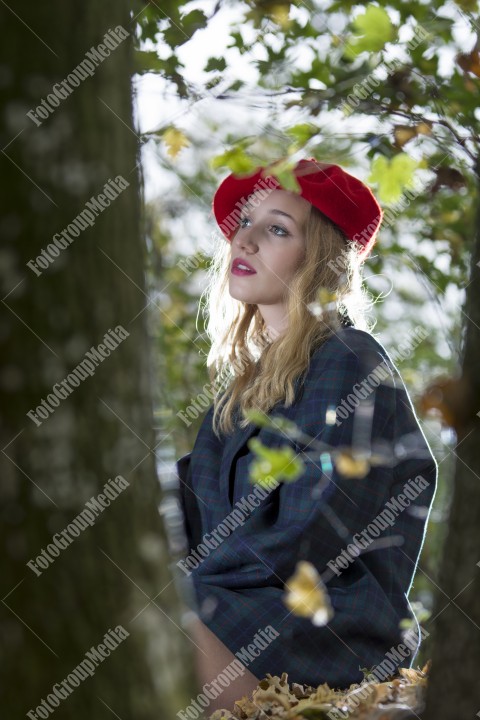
(280, 231)
(275, 229)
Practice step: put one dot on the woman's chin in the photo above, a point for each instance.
(240, 293)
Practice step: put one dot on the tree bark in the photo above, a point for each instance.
(453, 688)
(59, 604)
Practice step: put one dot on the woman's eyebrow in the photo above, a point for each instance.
(282, 212)
(275, 211)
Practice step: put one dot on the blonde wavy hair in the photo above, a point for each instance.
(247, 368)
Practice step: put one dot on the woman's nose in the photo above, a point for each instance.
(246, 238)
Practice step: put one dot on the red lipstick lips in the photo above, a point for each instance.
(242, 267)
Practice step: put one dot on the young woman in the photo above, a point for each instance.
(286, 318)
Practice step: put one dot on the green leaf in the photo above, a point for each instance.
(215, 63)
(468, 5)
(148, 61)
(193, 21)
(283, 171)
(302, 132)
(392, 176)
(366, 671)
(178, 33)
(174, 36)
(281, 464)
(237, 41)
(372, 30)
(236, 160)
(278, 423)
(235, 86)
(257, 418)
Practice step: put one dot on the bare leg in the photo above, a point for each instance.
(212, 661)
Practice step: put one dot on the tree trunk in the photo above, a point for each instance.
(67, 583)
(454, 690)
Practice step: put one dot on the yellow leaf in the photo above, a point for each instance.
(409, 674)
(307, 595)
(424, 128)
(326, 296)
(351, 465)
(280, 15)
(175, 141)
(325, 302)
(404, 133)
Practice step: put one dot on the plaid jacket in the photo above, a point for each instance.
(239, 585)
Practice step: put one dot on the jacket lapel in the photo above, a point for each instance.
(233, 445)
(239, 438)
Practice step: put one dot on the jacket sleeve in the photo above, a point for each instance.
(240, 585)
(191, 515)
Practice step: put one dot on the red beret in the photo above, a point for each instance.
(340, 196)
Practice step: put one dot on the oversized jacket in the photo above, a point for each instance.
(239, 582)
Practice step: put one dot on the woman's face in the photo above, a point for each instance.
(270, 238)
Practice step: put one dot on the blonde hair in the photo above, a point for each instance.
(249, 370)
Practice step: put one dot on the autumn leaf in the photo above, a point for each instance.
(469, 62)
(326, 296)
(405, 133)
(351, 465)
(175, 140)
(307, 595)
(452, 399)
(280, 15)
(325, 302)
(448, 177)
